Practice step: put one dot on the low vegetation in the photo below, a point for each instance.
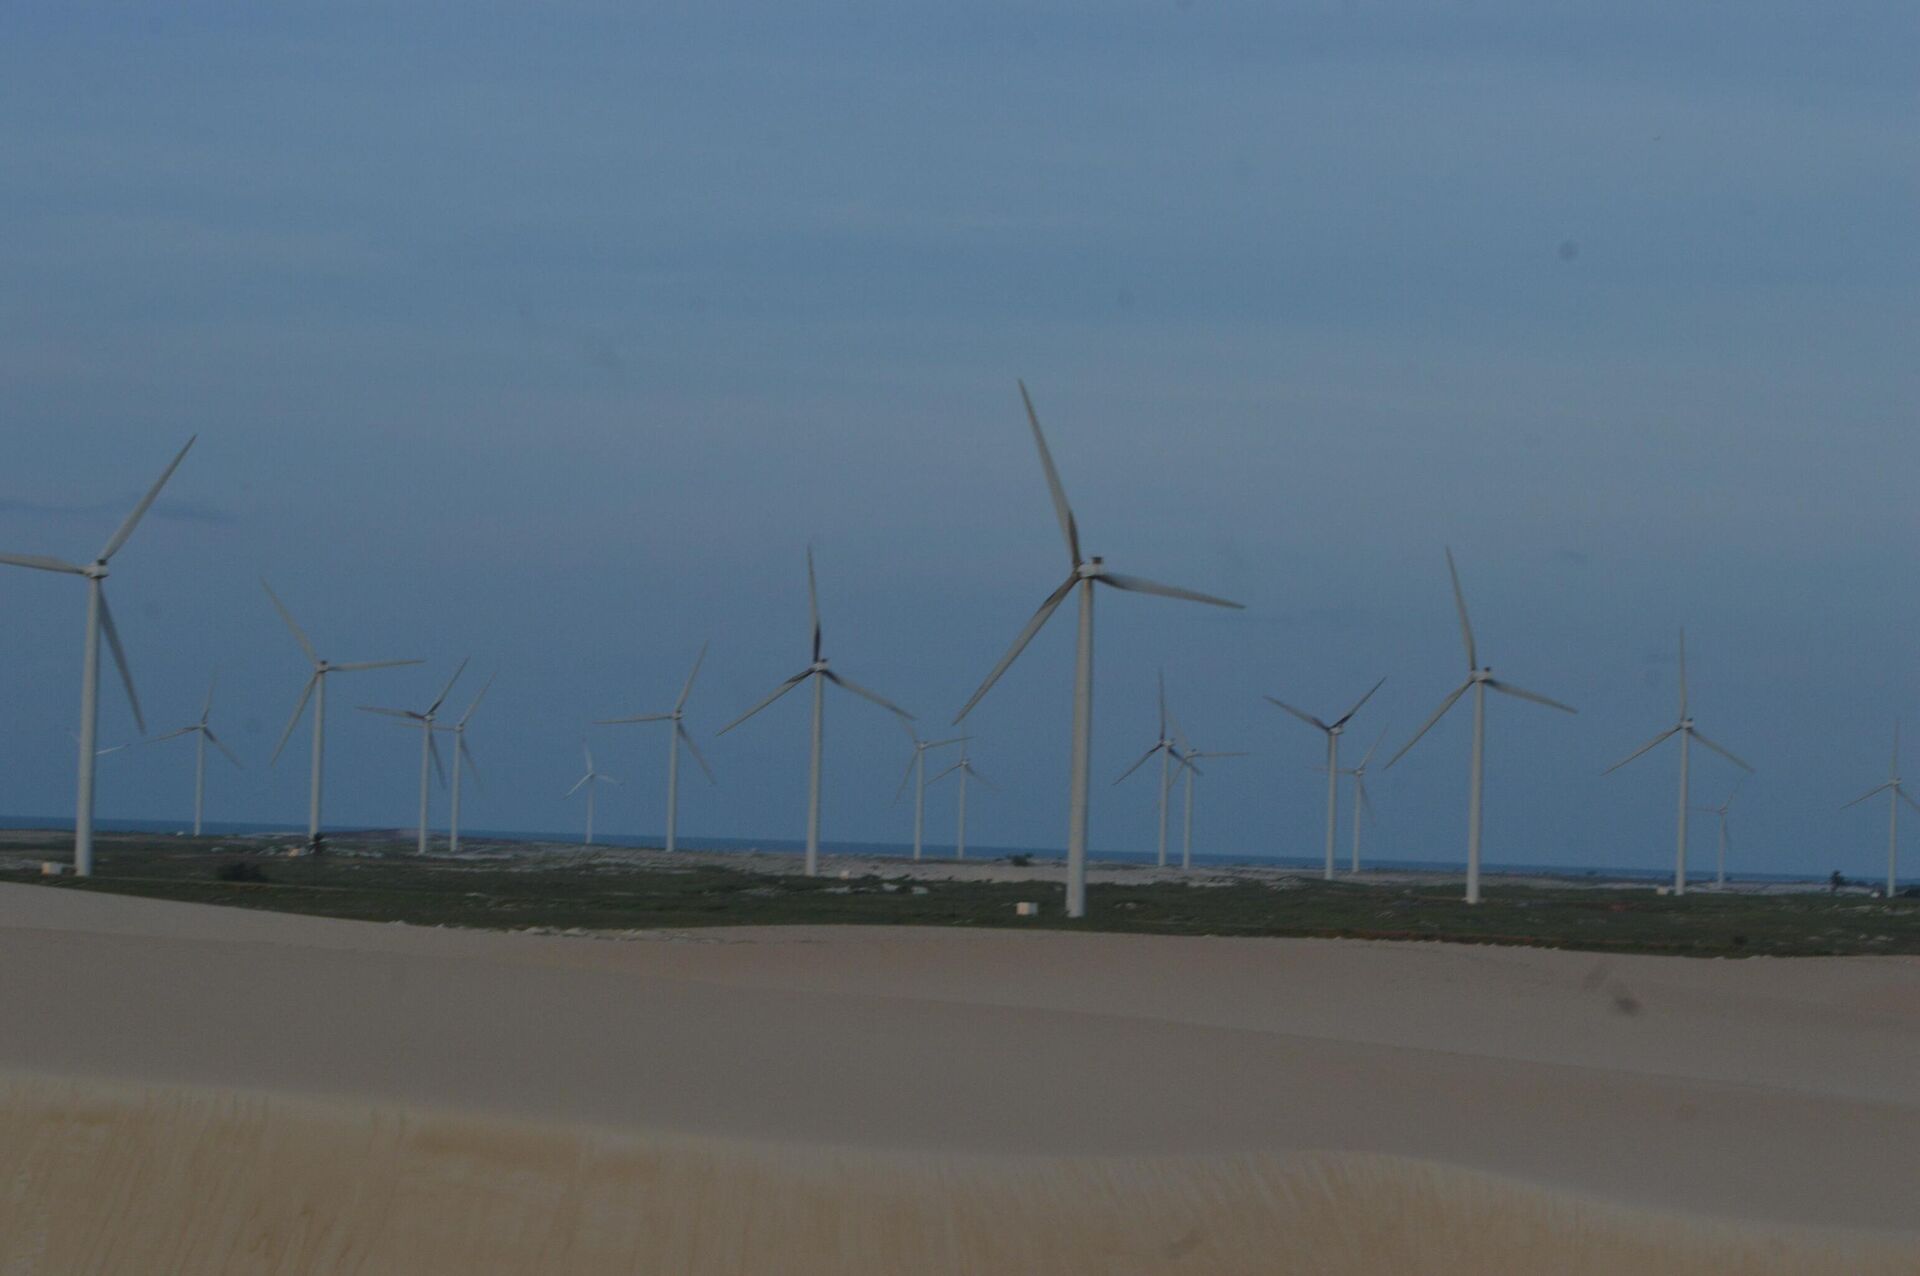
(387, 885)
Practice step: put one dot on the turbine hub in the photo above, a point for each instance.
(1092, 569)
(1482, 675)
(96, 570)
(818, 666)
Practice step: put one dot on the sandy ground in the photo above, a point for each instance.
(206, 1090)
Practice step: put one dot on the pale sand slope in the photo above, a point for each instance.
(201, 1089)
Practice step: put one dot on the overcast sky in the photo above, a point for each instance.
(550, 334)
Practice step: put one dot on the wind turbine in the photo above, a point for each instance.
(1187, 759)
(429, 751)
(1082, 576)
(1333, 732)
(1362, 804)
(203, 735)
(1685, 730)
(1720, 863)
(675, 737)
(317, 689)
(1164, 746)
(461, 753)
(821, 675)
(917, 766)
(99, 620)
(1479, 680)
(590, 779)
(1896, 794)
(963, 768)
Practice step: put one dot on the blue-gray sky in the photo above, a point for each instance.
(550, 334)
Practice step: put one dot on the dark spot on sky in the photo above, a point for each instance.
(1568, 250)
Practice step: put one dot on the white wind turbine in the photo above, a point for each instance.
(1720, 862)
(1685, 730)
(820, 675)
(461, 753)
(1479, 680)
(1896, 794)
(1188, 756)
(591, 779)
(1169, 753)
(1333, 731)
(1362, 804)
(316, 688)
(675, 738)
(1081, 578)
(429, 750)
(99, 621)
(917, 774)
(964, 769)
(203, 736)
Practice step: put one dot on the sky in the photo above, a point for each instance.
(551, 336)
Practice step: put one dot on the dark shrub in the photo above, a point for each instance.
(240, 871)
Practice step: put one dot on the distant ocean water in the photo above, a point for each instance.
(903, 850)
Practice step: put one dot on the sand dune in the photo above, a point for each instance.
(209, 1090)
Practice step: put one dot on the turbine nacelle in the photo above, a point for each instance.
(96, 570)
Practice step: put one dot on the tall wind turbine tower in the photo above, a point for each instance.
(1478, 680)
(1187, 759)
(917, 775)
(1720, 861)
(316, 688)
(461, 754)
(964, 769)
(1683, 728)
(675, 738)
(203, 736)
(99, 621)
(1362, 804)
(590, 781)
(1332, 730)
(820, 675)
(1896, 794)
(429, 750)
(1169, 753)
(1081, 578)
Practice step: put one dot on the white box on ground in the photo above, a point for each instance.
(1026, 908)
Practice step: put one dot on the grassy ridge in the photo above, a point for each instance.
(396, 886)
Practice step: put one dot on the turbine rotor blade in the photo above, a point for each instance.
(1162, 676)
(1878, 789)
(1439, 713)
(1683, 674)
(1722, 752)
(442, 698)
(687, 687)
(639, 717)
(1344, 718)
(897, 793)
(1460, 603)
(306, 692)
(408, 714)
(206, 710)
(171, 734)
(1301, 714)
(779, 691)
(433, 751)
(577, 783)
(686, 738)
(215, 741)
(1137, 765)
(466, 755)
(1901, 790)
(1507, 688)
(112, 633)
(1068, 528)
(1140, 585)
(298, 634)
(813, 604)
(43, 563)
(119, 538)
(859, 690)
(1368, 756)
(1642, 749)
(1020, 643)
(360, 666)
(477, 699)
(944, 774)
